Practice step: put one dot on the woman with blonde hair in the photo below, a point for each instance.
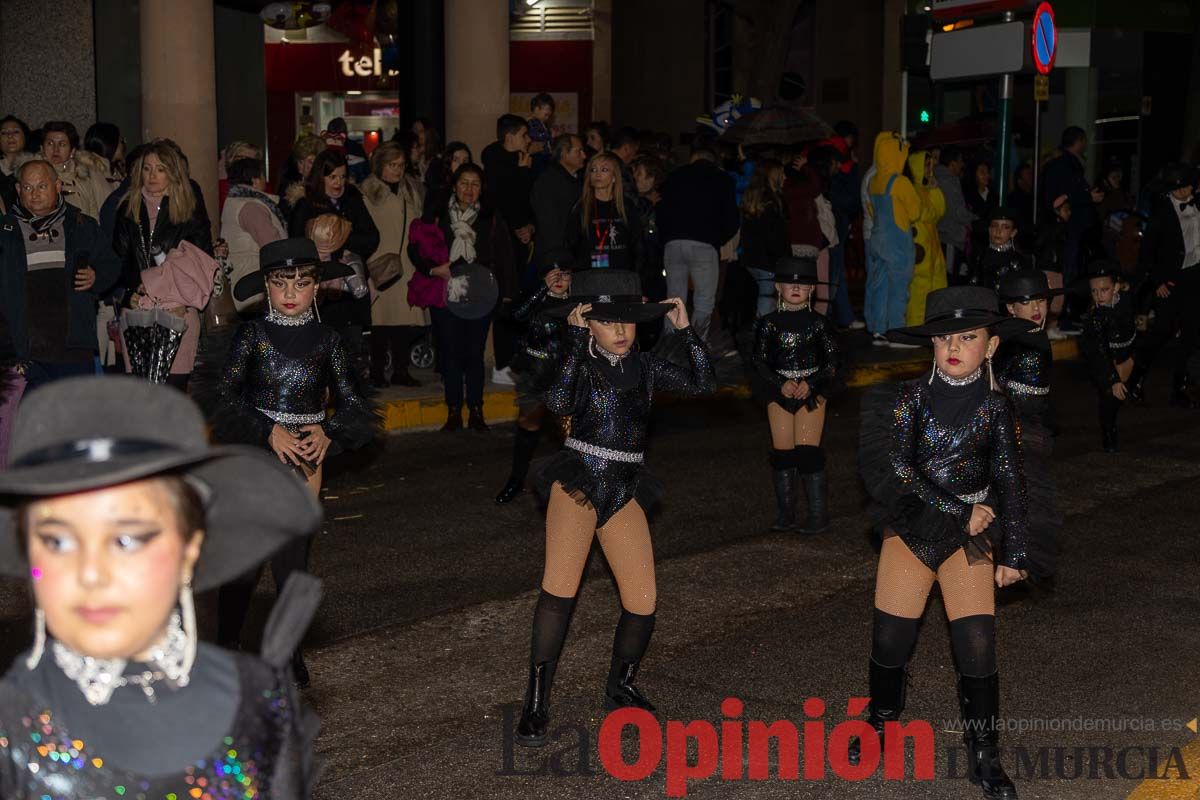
(158, 215)
(764, 229)
(605, 231)
(393, 198)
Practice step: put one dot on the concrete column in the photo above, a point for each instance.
(602, 63)
(477, 85)
(893, 86)
(179, 85)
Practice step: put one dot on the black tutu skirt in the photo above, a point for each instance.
(532, 376)
(765, 393)
(932, 534)
(598, 483)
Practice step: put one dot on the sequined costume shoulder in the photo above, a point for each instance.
(609, 406)
(925, 474)
(794, 345)
(281, 375)
(1023, 367)
(40, 758)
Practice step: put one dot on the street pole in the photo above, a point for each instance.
(1037, 154)
(1006, 91)
(904, 104)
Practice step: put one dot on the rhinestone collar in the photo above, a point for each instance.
(98, 678)
(963, 381)
(280, 318)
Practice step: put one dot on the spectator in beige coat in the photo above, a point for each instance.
(393, 198)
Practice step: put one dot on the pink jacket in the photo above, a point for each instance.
(184, 280)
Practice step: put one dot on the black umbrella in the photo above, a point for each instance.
(151, 339)
(782, 123)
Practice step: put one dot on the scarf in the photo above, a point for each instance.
(251, 193)
(461, 225)
(40, 225)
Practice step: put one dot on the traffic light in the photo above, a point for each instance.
(924, 116)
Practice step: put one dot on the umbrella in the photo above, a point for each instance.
(778, 124)
(151, 339)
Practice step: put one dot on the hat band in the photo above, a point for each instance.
(284, 263)
(91, 451)
(959, 313)
(611, 298)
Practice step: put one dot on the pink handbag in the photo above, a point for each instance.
(426, 291)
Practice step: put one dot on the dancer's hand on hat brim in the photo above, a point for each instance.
(678, 315)
(576, 318)
(286, 445)
(315, 444)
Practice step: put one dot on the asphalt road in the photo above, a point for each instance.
(421, 645)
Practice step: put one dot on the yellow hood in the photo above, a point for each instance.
(916, 165)
(890, 155)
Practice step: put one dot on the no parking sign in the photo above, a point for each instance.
(1044, 39)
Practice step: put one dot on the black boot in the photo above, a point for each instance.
(1109, 438)
(1180, 397)
(629, 645)
(980, 702)
(1136, 385)
(888, 688)
(535, 715)
(475, 420)
(816, 489)
(524, 444)
(785, 497)
(453, 419)
(299, 670)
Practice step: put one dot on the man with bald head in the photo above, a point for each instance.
(53, 264)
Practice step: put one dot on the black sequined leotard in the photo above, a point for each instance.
(44, 754)
(1023, 363)
(609, 407)
(534, 364)
(1109, 337)
(794, 345)
(928, 453)
(280, 374)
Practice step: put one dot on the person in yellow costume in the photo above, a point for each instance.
(929, 272)
(893, 207)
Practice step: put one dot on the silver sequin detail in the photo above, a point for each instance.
(276, 317)
(605, 453)
(963, 381)
(288, 418)
(1125, 343)
(542, 354)
(797, 374)
(974, 497)
(1025, 388)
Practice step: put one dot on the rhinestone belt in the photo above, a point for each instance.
(1125, 343)
(974, 497)
(288, 418)
(797, 374)
(604, 452)
(1025, 388)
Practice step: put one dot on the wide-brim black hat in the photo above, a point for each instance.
(956, 309)
(798, 269)
(1026, 284)
(614, 294)
(1100, 268)
(89, 433)
(287, 254)
(1176, 176)
(1002, 213)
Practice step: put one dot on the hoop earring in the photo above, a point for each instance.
(591, 346)
(39, 640)
(188, 608)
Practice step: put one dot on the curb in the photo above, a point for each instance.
(423, 413)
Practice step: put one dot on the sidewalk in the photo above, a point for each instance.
(421, 408)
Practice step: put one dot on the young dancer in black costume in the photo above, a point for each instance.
(796, 363)
(273, 394)
(1001, 256)
(534, 366)
(597, 485)
(1109, 342)
(115, 509)
(941, 460)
